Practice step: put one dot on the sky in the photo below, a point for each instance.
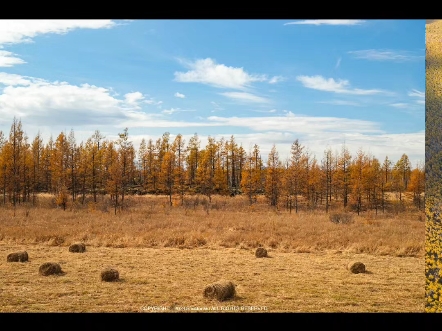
(327, 83)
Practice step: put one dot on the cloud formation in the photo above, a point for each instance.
(175, 110)
(276, 79)
(246, 97)
(22, 31)
(8, 59)
(416, 93)
(327, 22)
(400, 105)
(341, 103)
(207, 71)
(299, 124)
(386, 55)
(44, 102)
(330, 85)
(179, 95)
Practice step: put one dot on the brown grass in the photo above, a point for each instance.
(184, 248)
(229, 222)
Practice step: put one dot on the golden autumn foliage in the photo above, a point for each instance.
(100, 167)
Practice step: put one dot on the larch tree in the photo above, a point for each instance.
(47, 162)
(96, 162)
(36, 168)
(417, 184)
(150, 184)
(115, 182)
(179, 151)
(327, 168)
(167, 173)
(252, 175)
(357, 179)
(142, 151)
(4, 160)
(16, 141)
(206, 169)
(401, 175)
(126, 156)
(296, 171)
(342, 174)
(372, 181)
(273, 177)
(83, 170)
(192, 161)
(72, 164)
(385, 181)
(220, 169)
(241, 160)
(59, 166)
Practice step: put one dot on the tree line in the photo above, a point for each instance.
(97, 167)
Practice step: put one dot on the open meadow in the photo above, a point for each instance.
(167, 255)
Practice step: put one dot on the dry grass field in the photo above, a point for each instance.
(167, 255)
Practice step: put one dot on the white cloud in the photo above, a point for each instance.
(13, 79)
(420, 96)
(61, 103)
(400, 105)
(217, 106)
(133, 98)
(379, 145)
(21, 31)
(175, 110)
(327, 22)
(244, 96)
(330, 85)
(338, 63)
(8, 59)
(341, 103)
(179, 95)
(265, 111)
(207, 71)
(386, 55)
(276, 79)
(299, 124)
(416, 93)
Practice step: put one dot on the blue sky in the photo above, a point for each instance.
(326, 83)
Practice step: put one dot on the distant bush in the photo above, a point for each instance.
(341, 218)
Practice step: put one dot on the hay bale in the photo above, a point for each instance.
(50, 268)
(110, 275)
(17, 257)
(261, 252)
(356, 267)
(77, 248)
(221, 290)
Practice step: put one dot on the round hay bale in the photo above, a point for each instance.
(77, 248)
(261, 252)
(50, 268)
(17, 257)
(221, 291)
(110, 275)
(356, 267)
